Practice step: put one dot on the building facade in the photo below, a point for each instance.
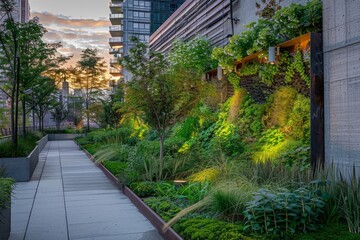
(134, 18)
(341, 35)
(214, 20)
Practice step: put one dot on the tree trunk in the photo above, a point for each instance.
(161, 159)
(13, 96)
(87, 116)
(17, 101)
(24, 118)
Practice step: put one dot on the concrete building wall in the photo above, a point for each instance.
(341, 34)
(210, 19)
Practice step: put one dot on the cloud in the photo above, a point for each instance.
(49, 19)
(76, 34)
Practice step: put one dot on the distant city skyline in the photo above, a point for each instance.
(77, 24)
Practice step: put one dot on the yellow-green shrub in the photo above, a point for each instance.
(208, 174)
(282, 103)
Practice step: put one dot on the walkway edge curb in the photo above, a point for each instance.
(155, 219)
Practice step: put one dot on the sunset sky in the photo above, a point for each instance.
(77, 24)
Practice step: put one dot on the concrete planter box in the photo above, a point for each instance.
(42, 142)
(21, 168)
(5, 222)
(60, 137)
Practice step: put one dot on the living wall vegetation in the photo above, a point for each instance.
(245, 160)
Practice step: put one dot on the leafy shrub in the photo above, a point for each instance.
(330, 232)
(6, 188)
(282, 104)
(144, 189)
(299, 156)
(284, 212)
(298, 125)
(250, 118)
(209, 229)
(272, 137)
(271, 153)
(189, 126)
(163, 206)
(115, 167)
(25, 146)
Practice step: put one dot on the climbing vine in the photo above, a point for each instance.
(298, 65)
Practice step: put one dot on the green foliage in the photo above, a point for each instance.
(268, 72)
(299, 156)
(25, 147)
(194, 54)
(250, 118)
(250, 69)
(144, 189)
(299, 66)
(6, 188)
(350, 201)
(271, 137)
(284, 212)
(275, 152)
(298, 125)
(282, 104)
(226, 203)
(330, 232)
(287, 23)
(163, 206)
(115, 167)
(161, 96)
(210, 229)
(188, 127)
(234, 79)
(205, 175)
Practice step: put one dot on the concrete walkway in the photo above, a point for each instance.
(70, 198)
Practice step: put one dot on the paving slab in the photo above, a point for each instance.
(70, 198)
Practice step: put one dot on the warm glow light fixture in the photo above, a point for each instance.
(271, 57)
(219, 73)
(273, 52)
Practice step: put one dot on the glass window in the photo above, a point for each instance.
(147, 26)
(136, 25)
(147, 4)
(136, 3)
(136, 14)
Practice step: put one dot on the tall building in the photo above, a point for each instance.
(134, 18)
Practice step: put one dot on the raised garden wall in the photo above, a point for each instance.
(61, 137)
(22, 168)
(5, 220)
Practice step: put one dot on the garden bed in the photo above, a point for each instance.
(5, 223)
(22, 168)
(6, 187)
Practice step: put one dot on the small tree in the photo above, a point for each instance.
(90, 77)
(162, 96)
(59, 113)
